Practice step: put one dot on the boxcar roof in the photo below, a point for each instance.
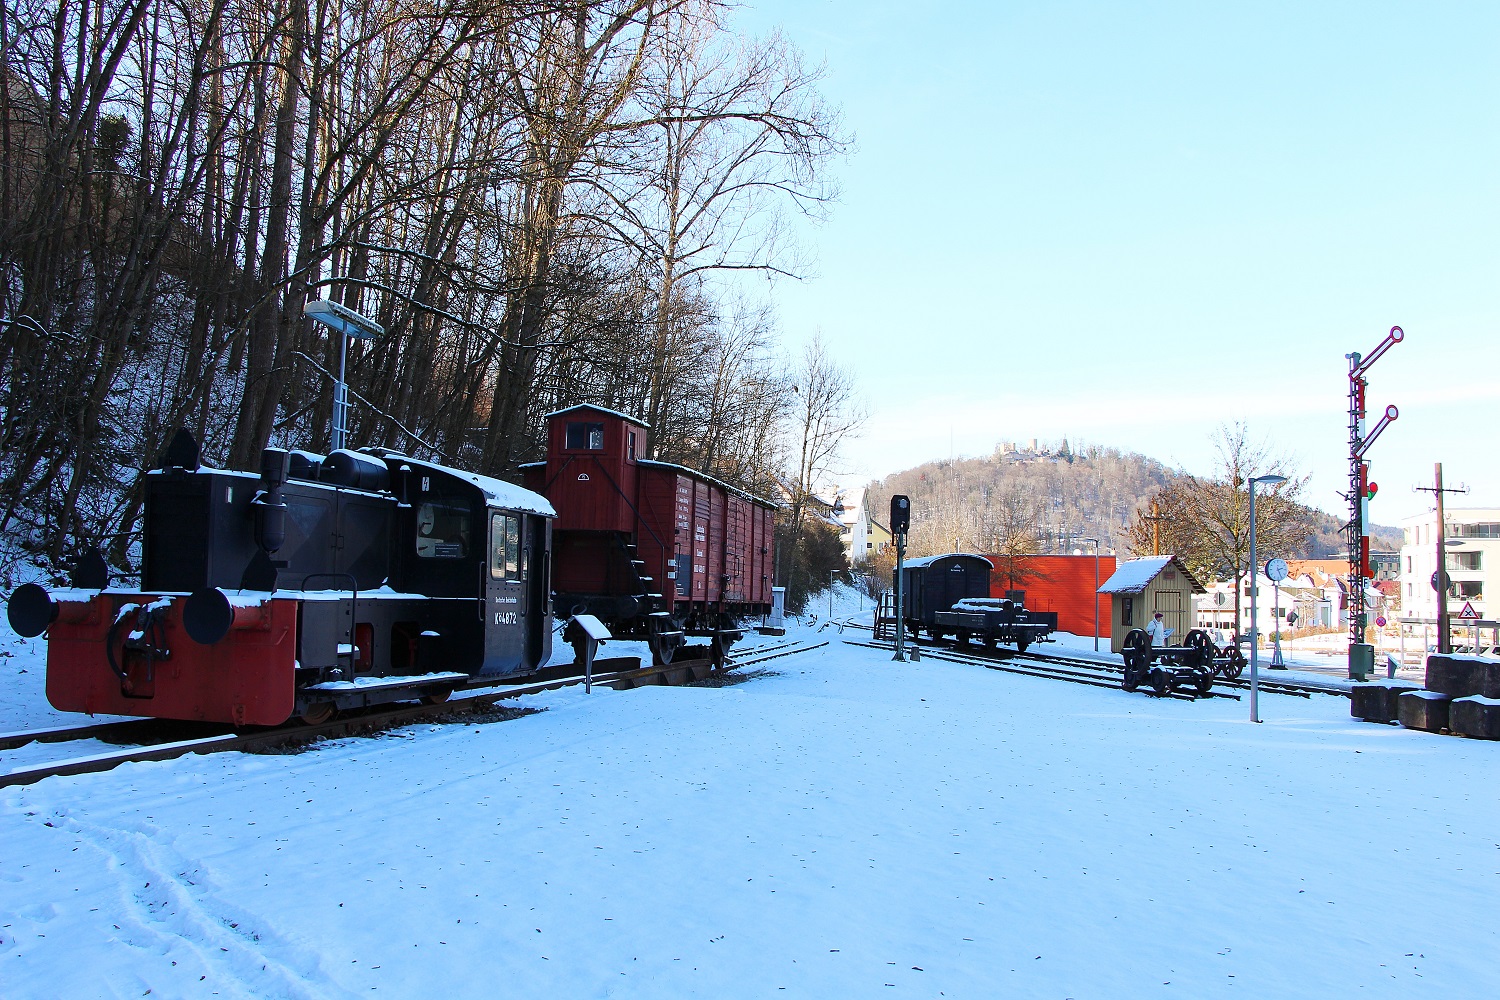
(929, 560)
(597, 409)
(710, 479)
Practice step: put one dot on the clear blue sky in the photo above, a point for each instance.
(1127, 223)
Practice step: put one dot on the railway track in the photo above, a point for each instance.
(145, 735)
(1109, 672)
(1091, 674)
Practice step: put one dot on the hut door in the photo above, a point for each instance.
(1169, 603)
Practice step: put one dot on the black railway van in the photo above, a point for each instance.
(936, 583)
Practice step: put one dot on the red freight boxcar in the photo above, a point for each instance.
(656, 550)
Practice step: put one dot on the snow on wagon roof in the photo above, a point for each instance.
(929, 560)
(599, 409)
(1133, 576)
(497, 492)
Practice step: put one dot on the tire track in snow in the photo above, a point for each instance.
(173, 903)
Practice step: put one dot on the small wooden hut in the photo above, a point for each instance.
(1141, 587)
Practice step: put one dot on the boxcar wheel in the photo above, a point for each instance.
(1021, 645)
(437, 697)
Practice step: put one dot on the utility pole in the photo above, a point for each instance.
(1155, 520)
(1440, 576)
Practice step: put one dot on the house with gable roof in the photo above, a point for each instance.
(1141, 587)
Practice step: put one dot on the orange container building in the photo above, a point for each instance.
(1060, 584)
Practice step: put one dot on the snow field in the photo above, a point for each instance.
(849, 827)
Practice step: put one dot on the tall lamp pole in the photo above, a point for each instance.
(1254, 590)
(348, 323)
(1096, 590)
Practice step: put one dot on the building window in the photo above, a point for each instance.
(1408, 564)
(585, 436)
(1464, 560)
(1127, 611)
(1468, 590)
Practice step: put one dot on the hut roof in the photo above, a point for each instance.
(1134, 576)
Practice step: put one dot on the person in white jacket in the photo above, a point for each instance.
(1158, 630)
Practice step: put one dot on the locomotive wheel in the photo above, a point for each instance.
(1162, 681)
(1236, 664)
(317, 714)
(1021, 645)
(1204, 683)
(1198, 641)
(1132, 678)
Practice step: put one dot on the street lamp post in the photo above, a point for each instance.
(1254, 590)
(1096, 590)
(831, 574)
(348, 323)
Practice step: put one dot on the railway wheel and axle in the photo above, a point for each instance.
(318, 713)
(1137, 655)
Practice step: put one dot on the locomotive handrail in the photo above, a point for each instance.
(353, 603)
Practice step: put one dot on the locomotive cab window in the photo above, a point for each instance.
(442, 531)
(505, 547)
(585, 436)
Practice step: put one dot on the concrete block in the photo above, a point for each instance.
(770, 630)
(1475, 716)
(1423, 710)
(1376, 702)
(1451, 675)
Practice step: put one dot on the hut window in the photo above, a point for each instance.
(1127, 611)
(632, 444)
(585, 436)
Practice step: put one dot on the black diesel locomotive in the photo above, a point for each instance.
(319, 584)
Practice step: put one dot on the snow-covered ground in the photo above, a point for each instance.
(846, 826)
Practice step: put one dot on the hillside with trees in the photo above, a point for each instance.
(1049, 498)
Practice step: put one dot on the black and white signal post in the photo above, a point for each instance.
(900, 524)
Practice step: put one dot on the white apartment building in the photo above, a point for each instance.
(1472, 556)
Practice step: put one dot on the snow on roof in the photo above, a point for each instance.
(929, 560)
(705, 476)
(509, 495)
(599, 409)
(1135, 575)
(497, 492)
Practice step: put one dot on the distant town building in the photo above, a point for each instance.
(861, 534)
(1472, 556)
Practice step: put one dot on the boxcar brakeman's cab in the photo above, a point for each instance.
(656, 550)
(319, 584)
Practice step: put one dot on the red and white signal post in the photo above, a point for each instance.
(1361, 489)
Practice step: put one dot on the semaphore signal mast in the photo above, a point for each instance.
(1361, 490)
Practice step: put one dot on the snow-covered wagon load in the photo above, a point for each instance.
(318, 584)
